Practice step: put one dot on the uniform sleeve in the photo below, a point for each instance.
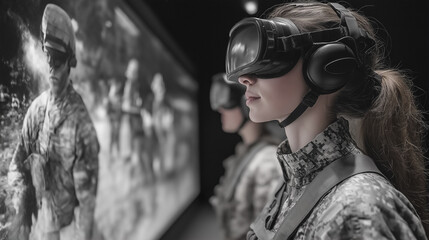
(370, 211)
(258, 183)
(267, 176)
(85, 176)
(367, 221)
(17, 171)
(19, 180)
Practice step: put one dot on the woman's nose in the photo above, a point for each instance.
(247, 80)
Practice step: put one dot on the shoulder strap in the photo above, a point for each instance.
(259, 226)
(230, 187)
(329, 177)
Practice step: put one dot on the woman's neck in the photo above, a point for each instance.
(312, 122)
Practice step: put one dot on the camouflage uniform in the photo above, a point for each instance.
(253, 180)
(58, 146)
(365, 206)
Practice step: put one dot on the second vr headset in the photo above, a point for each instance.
(228, 96)
(225, 95)
(269, 48)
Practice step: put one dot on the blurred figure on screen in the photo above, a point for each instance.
(114, 111)
(53, 173)
(140, 121)
(163, 118)
(252, 173)
(132, 100)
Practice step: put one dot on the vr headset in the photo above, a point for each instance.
(269, 48)
(223, 94)
(228, 96)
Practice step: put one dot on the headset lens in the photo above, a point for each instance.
(219, 96)
(243, 48)
(258, 47)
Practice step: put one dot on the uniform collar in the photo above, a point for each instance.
(59, 109)
(65, 94)
(303, 165)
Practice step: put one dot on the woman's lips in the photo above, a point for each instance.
(251, 98)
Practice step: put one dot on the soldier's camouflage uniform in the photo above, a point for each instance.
(59, 147)
(365, 206)
(245, 187)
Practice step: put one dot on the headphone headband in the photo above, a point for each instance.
(362, 40)
(347, 19)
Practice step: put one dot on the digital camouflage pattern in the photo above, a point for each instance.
(365, 206)
(253, 186)
(58, 146)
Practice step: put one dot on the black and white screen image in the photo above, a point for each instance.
(142, 103)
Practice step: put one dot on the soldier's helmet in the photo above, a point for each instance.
(57, 32)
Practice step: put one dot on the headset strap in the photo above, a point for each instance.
(309, 100)
(329, 177)
(348, 27)
(347, 19)
(361, 37)
(264, 222)
(301, 40)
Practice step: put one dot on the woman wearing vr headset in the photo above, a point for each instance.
(252, 173)
(311, 66)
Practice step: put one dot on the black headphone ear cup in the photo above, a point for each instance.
(327, 68)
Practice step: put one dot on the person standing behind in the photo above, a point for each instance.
(54, 171)
(252, 173)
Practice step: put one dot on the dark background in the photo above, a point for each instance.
(196, 31)
(200, 29)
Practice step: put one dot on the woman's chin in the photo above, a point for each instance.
(258, 119)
